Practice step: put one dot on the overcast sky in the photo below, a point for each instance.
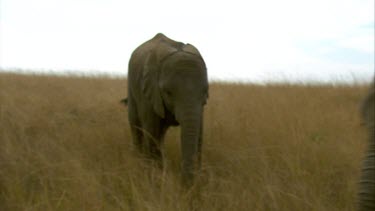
(244, 40)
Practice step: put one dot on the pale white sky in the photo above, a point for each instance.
(239, 39)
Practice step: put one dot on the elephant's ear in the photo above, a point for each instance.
(191, 49)
(151, 73)
(150, 85)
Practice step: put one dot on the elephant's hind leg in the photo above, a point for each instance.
(135, 127)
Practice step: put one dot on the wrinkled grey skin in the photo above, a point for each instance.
(367, 181)
(167, 86)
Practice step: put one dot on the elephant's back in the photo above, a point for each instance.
(158, 43)
(154, 52)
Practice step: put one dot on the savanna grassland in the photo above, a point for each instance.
(65, 145)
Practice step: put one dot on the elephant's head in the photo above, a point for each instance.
(181, 79)
(183, 86)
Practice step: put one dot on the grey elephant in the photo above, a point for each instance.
(367, 181)
(167, 86)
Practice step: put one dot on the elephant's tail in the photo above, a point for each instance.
(124, 101)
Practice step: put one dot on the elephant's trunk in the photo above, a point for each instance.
(191, 126)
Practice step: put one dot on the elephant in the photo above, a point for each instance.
(167, 86)
(367, 180)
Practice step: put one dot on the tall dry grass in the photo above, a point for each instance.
(65, 145)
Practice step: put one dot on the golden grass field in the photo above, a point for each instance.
(65, 145)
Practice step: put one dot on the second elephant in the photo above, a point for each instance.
(367, 181)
